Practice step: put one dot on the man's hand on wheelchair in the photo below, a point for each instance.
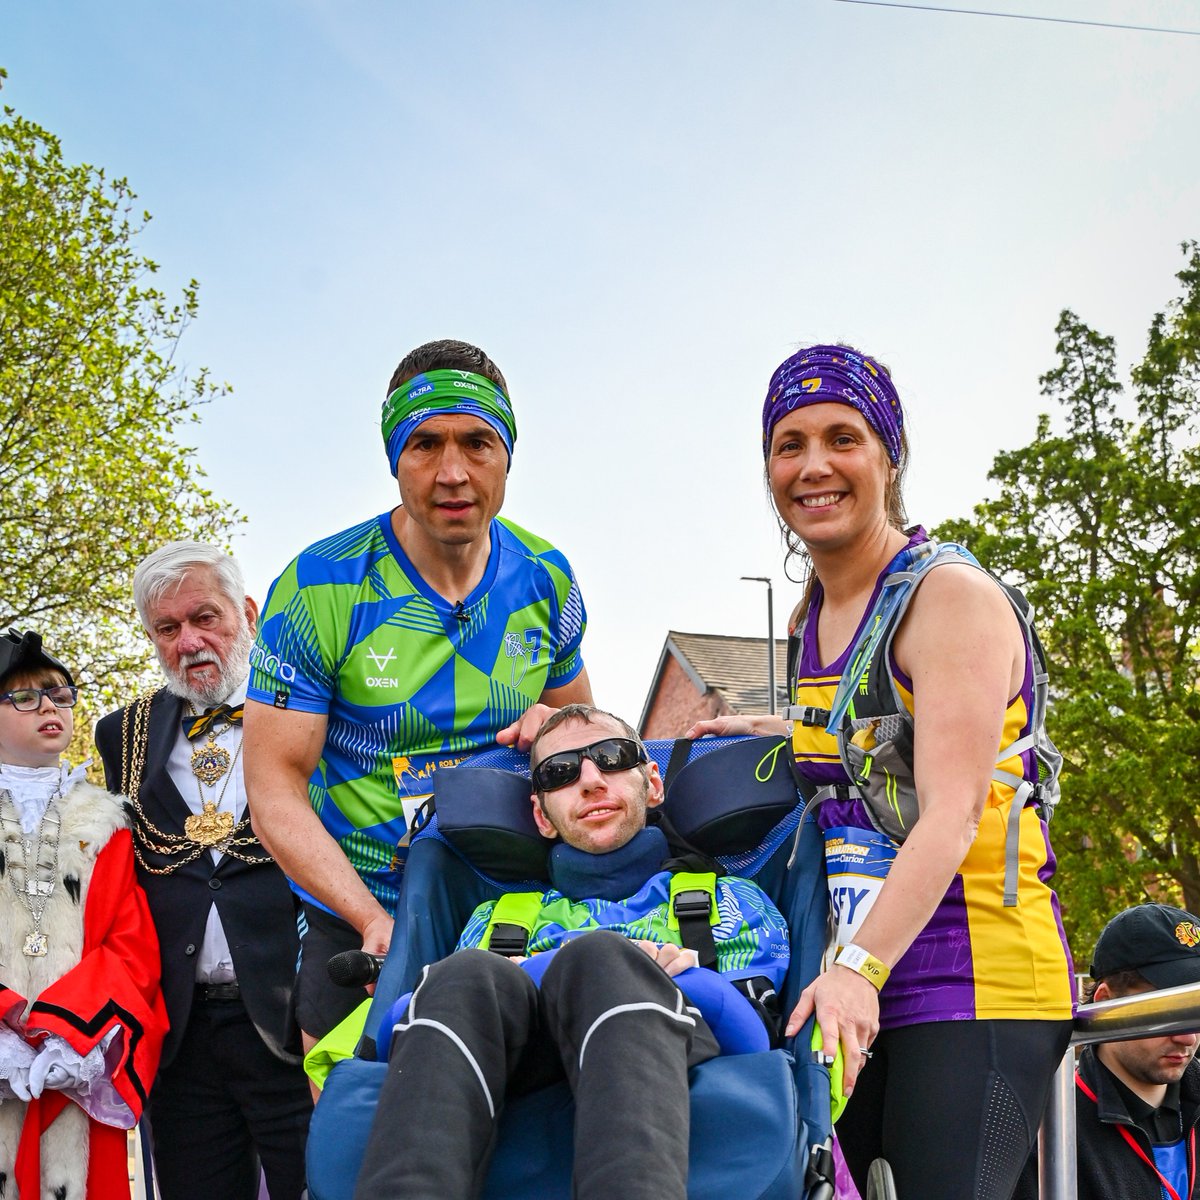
(520, 734)
(376, 938)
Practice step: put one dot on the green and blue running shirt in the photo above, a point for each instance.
(408, 681)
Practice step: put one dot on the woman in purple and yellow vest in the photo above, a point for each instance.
(959, 1002)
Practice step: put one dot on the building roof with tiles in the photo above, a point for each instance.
(710, 674)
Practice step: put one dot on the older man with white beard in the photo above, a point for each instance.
(230, 1092)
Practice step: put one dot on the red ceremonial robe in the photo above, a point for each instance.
(113, 985)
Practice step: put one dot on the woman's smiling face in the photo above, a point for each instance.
(829, 475)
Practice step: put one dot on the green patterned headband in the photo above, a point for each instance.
(441, 392)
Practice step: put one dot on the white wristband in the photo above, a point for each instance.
(863, 963)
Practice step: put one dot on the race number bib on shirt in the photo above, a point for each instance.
(414, 784)
(857, 862)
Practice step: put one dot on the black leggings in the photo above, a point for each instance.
(954, 1106)
(477, 1029)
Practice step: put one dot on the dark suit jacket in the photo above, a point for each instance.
(257, 908)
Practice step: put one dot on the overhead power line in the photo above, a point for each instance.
(977, 12)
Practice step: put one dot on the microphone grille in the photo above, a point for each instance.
(351, 968)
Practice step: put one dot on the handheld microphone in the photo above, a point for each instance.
(459, 612)
(354, 968)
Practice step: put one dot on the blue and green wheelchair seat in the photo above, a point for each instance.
(760, 1121)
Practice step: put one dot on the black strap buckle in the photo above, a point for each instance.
(510, 940)
(808, 715)
(694, 903)
(693, 912)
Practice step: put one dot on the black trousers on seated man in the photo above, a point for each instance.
(606, 1017)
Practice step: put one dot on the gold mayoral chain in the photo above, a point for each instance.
(210, 761)
(211, 826)
(36, 884)
(206, 830)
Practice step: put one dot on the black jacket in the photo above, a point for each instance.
(1108, 1168)
(257, 907)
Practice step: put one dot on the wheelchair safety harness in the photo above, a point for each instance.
(693, 913)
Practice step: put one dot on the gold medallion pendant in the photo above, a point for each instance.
(36, 945)
(209, 827)
(210, 762)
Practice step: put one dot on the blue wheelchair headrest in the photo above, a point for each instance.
(485, 814)
(724, 800)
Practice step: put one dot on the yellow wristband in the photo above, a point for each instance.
(865, 964)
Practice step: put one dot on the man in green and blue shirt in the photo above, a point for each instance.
(396, 647)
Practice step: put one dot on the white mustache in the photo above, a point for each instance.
(198, 659)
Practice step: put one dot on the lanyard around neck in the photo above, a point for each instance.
(1133, 1145)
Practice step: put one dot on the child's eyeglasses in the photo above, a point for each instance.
(28, 699)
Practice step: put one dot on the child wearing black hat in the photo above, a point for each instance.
(81, 1015)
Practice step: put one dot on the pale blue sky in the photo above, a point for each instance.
(638, 210)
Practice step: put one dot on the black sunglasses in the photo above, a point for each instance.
(62, 695)
(613, 754)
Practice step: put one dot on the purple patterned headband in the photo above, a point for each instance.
(820, 374)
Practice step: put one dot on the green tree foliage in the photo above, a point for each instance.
(1100, 524)
(91, 398)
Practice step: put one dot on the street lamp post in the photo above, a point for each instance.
(770, 636)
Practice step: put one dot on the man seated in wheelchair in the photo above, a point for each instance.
(606, 992)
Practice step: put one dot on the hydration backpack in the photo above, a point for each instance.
(874, 728)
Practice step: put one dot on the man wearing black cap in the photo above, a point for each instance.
(1137, 1103)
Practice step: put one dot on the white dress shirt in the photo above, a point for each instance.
(214, 963)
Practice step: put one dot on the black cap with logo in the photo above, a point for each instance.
(1161, 943)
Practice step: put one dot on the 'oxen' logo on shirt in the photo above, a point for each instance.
(380, 660)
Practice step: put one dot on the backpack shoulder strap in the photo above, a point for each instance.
(878, 676)
(511, 923)
(805, 714)
(795, 644)
(885, 616)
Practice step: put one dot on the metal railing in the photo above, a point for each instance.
(1148, 1014)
